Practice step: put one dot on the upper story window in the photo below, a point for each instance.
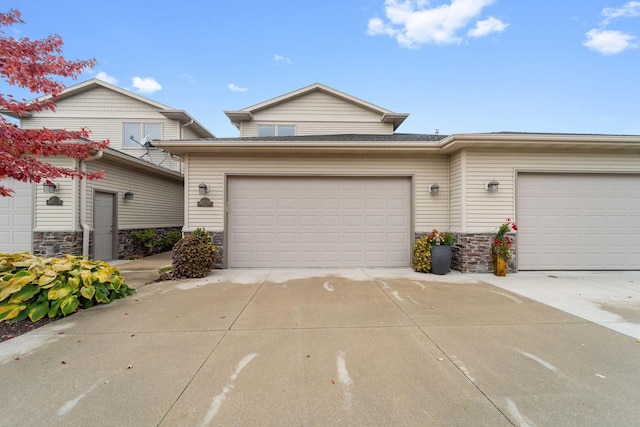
(276, 130)
(136, 131)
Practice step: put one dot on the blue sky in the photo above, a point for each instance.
(459, 66)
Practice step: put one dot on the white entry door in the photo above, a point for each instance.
(319, 221)
(103, 225)
(578, 221)
(16, 217)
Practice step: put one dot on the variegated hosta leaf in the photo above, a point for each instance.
(10, 311)
(117, 281)
(69, 304)
(38, 311)
(47, 277)
(102, 293)
(23, 277)
(87, 277)
(59, 291)
(8, 288)
(62, 265)
(74, 282)
(88, 291)
(54, 308)
(85, 264)
(24, 294)
(103, 275)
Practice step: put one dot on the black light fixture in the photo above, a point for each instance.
(492, 186)
(434, 189)
(49, 187)
(203, 188)
(128, 195)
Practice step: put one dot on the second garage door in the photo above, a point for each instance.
(318, 221)
(578, 221)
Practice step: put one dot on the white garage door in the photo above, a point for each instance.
(16, 217)
(578, 222)
(318, 222)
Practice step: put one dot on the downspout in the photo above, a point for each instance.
(86, 229)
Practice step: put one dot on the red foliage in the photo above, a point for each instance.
(33, 65)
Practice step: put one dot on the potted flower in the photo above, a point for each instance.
(501, 247)
(441, 253)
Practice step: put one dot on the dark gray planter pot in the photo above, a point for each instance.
(441, 256)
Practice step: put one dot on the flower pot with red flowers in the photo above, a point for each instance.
(501, 247)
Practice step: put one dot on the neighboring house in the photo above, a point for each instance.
(319, 178)
(93, 217)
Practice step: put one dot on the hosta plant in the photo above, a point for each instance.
(35, 287)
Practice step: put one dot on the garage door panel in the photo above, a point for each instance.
(355, 221)
(16, 217)
(578, 221)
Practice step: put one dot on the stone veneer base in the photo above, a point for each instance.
(472, 252)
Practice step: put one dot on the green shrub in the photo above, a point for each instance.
(193, 256)
(147, 238)
(422, 254)
(35, 287)
(171, 239)
(154, 242)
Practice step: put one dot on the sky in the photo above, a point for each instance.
(459, 66)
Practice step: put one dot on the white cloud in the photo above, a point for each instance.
(232, 87)
(609, 42)
(188, 77)
(414, 22)
(106, 78)
(280, 58)
(488, 26)
(146, 84)
(628, 10)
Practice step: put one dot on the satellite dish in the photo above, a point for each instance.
(144, 143)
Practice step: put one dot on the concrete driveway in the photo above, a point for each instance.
(321, 347)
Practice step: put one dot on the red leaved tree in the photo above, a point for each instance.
(34, 65)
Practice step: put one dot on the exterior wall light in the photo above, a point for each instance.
(492, 186)
(49, 187)
(128, 195)
(434, 189)
(203, 188)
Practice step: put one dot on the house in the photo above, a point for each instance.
(143, 185)
(319, 178)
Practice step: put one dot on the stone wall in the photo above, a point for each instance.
(472, 252)
(57, 243)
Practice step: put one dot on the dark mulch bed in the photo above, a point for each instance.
(11, 329)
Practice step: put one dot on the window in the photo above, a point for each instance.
(276, 130)
(136, 131)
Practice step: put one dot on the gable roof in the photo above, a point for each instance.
(246, 114)
(180, 115)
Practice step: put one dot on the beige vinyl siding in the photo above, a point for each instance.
(456, 196)
(109, 103)
(157, 202)
(318, 113)
(58, 218)
(485, 211)
(430, 211)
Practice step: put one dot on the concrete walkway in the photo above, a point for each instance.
(321, 347)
